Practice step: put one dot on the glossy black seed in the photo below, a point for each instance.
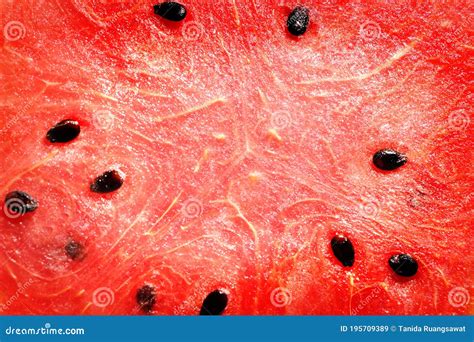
(298, 21)
(215, 303)
(107, 182)
(403, 264)
(343, 249)
(75, 250)
(388, 159)
(64, 131)
(146, 298)
(170, 10)
(19, 203)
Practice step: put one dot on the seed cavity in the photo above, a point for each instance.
(343, 249)
(403, 265)
(215, 303)
(146, 298)
(387, 159)
(170, 10)
(18, 203)
(109, 181)
(75, 250)
(298, 21)
(64, 131)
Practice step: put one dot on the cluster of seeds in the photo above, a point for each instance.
(402, 264)
(111, 180)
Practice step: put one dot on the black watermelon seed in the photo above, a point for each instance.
(298, 21)
(215, 303)
(146, 298)
(64, 131)
(387, 159)
(107, 182)
(18, 203)
(170, 10)
(75, 250)
(403, 264)
(343, 249)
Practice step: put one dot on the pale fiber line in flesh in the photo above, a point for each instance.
(193, 109)
(33, 167)
(188, 243)
(257, 248)
(167, 210)
(399, 54)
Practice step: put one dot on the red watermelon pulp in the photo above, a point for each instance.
(244, 150)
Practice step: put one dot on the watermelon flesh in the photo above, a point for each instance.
(244, 151)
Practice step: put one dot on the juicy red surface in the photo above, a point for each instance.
(244, 153)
